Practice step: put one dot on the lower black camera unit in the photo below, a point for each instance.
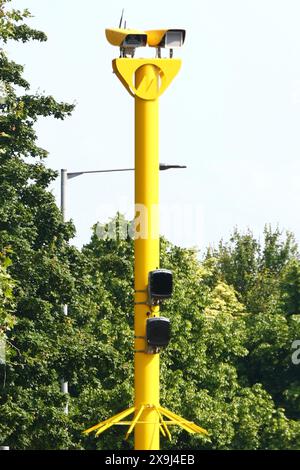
(158, 334)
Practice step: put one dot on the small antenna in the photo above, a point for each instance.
(121, 20)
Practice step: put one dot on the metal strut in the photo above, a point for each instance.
(173, 419)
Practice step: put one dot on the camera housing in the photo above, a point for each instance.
(167, 38)
(160, 285)
(158, 334)
(126, 38)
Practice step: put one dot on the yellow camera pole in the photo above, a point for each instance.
(149, 77)
(146, 253)
(146, 80)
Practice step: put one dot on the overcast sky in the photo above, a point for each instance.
(232, 115)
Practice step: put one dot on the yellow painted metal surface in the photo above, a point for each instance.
(146, 79)
(100, 427)
(155, 36)
(116, 36)
(127, 69)
(159, 422)
(136, 419)
(146, 250)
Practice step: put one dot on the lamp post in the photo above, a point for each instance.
(65, 176)
(63, 181)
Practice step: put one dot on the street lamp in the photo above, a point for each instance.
(68, 175)
(65, 176)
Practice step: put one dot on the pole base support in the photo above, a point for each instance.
(173, 419)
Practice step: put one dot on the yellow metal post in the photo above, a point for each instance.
(146, 253)
(146, 80)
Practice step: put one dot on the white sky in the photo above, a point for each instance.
(232, 115)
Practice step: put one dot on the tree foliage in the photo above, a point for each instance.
(234, 313)
(7, 319)
(30, 223)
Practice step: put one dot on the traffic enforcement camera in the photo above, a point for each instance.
(127, 39)
(168, 38)
(158, 334)
(160, 285)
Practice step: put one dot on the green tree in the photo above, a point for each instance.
(228, 366)
(271, 302)
(30, 223)
(253, 268)
(290, 287)
(204, 374)
(7, 319)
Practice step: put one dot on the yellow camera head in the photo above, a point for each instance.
(126, 38)
(168, 38)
